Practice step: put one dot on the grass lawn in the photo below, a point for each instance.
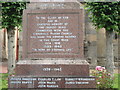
(117, 81)
(4, 79)
(4, 84)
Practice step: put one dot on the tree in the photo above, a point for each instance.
(105, 15)
(11, 18)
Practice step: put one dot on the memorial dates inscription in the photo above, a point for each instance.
(54, 33)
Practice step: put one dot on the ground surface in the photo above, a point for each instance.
(3, 67)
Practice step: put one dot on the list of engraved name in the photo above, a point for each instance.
(53, 82)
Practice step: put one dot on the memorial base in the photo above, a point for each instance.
(52, 74)
(52, 67)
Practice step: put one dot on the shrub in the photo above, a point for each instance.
(104, 79)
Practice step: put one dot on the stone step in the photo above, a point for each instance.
(52, 68)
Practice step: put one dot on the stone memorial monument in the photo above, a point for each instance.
(53, 55)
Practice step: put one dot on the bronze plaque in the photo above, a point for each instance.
(51, 82)
(53, 33)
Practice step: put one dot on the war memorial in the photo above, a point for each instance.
(53, 49)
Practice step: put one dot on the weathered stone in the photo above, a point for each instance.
(53, 68)
(55, 5)
(54, 34)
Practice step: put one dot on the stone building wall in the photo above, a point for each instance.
(95, 45)
(90, 42)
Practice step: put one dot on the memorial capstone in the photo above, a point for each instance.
(53, 54)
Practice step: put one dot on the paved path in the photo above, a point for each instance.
(3, 67)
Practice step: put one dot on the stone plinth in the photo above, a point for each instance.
(52, 74)
(53, 68)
